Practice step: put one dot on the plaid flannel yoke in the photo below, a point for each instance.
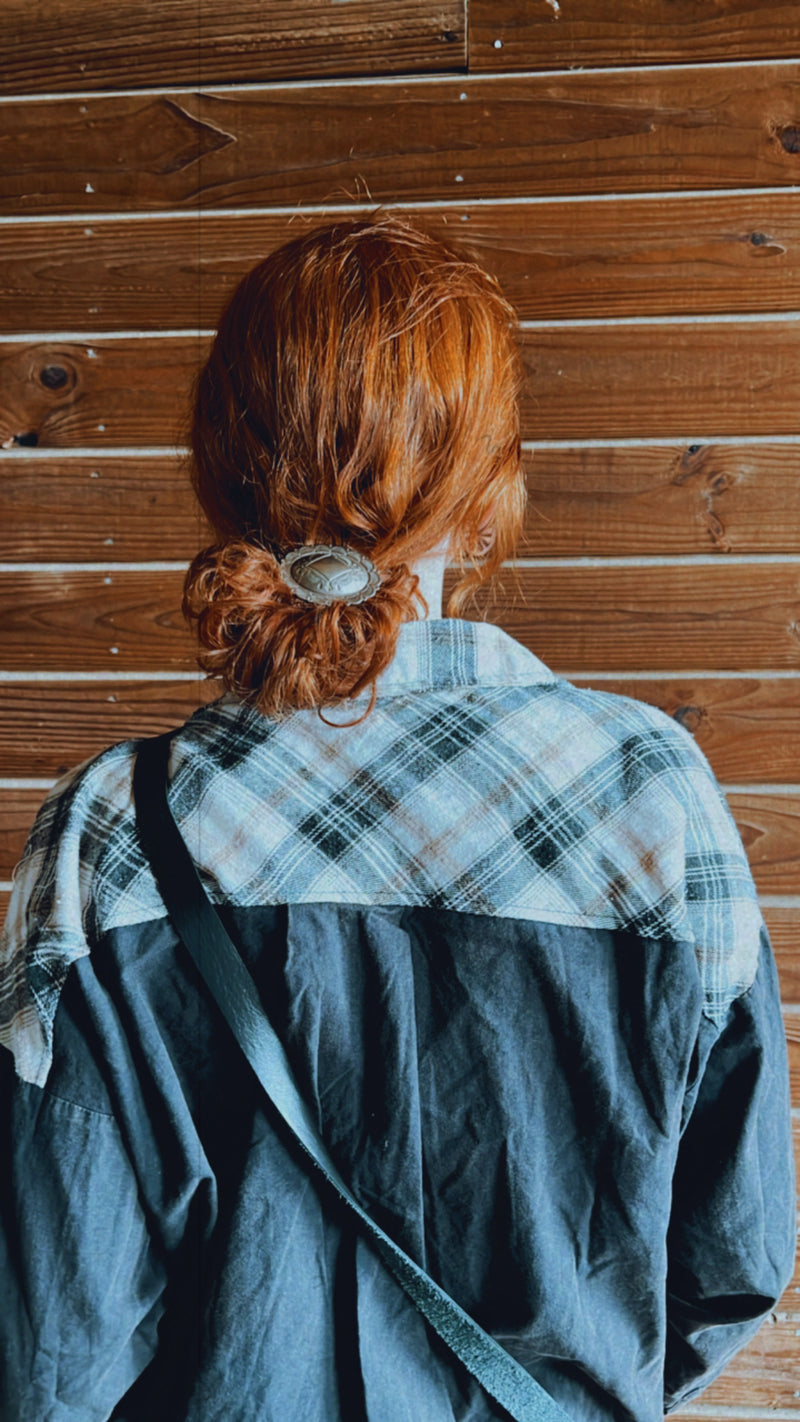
(480, 783)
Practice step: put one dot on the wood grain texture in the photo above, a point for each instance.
(697, 498)
(660, 500)
(770, 830)
(748, 727)
(18, 810)
(622, 381)
(783, 925)
(549, 35)
(791, 1023)
(107, 510)
(108, 393)
(791, 1298)
(594, 619)
(94, 621)
(130, 44)
(639, 257)
(679, 382)
(518, 137)
(661, 618)
(47, 728)
(685, 255)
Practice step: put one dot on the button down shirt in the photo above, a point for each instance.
(507, 933)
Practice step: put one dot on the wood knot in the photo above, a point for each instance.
(790, 138)
(687, 464)
(54, 377)
(37, 383)
(764, 246)
(58, 375)
(689, 717)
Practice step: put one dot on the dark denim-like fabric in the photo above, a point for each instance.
(542, 1115)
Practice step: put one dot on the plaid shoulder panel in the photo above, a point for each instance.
(536, 801)
(52, 914)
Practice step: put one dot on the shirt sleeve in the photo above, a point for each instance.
(82, 1285)
(732, 1233)
(104, 1195)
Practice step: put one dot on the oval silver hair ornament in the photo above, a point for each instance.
(324, 573)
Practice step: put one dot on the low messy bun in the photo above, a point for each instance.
(280, 652)
(361, 392)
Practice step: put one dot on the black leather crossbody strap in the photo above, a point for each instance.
(200, 928)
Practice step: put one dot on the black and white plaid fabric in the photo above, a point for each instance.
(480, 782)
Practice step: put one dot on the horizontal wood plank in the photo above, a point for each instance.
(646, 381)
(748, 727)
(671, 130)
(770, 830)
(109, 510)
(590, 619)
(123, 392)
(47, 728)
(94, 621)
(678, 381)
(580, 621)
(695, 498)
(729, 499)
(18, 809)
(130, 44)
(644, 256)
(783, 925)
(640, 257)
(790, 1303)
(514, 34)
(791, 1023)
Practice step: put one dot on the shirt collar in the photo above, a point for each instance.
(436, 653)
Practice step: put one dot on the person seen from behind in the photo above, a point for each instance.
(504, 929)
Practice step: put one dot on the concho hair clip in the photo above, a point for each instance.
(324, 573)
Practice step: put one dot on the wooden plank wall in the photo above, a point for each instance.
(628, 168)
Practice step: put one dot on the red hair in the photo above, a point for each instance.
(361, 390)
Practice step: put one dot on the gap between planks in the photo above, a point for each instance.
(682, 674)
(382, 81)
(115, 676)
(745, 318)
(721, 1414)
(356, 209)
(631, 560)
(529, 446)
